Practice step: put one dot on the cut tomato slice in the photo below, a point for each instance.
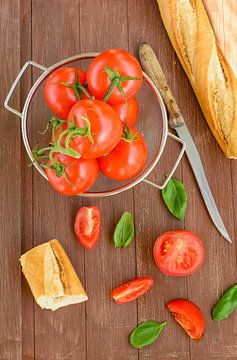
(87, 226)
(178, 252)
(132, 289)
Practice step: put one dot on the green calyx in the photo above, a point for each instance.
(78, 88)
(116, 81)
(75, 131)
(59, 169)
(61, 144)
(127, 134)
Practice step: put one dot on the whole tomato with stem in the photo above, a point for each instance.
(71, 176)
(98, 128)
(114, 76)
(127, 159)
(128, 111)
(63, 88)
(87, 226)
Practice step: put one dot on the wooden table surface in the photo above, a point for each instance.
(32, 212)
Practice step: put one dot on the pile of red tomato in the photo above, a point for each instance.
(93, 127)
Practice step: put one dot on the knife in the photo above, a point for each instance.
(153, 69)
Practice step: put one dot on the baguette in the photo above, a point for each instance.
(51, 276)
(210, 75)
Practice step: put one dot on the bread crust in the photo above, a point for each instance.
(69, 278)
(210, 74)
(51, 276)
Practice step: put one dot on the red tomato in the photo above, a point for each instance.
(126, 160)
(132, 289)
(61, 98)
(189, 316)
(108, 69)
(74, 176)
(128, 111)
(178, 252)
(105, 128)
(87, 226)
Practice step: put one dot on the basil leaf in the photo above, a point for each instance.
(226, 305)
(124, 231)
(146, 333)
(175, 198)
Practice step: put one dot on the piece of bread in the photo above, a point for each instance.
(211, 77)
(51, 276)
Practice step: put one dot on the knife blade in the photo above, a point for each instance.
(153, 69)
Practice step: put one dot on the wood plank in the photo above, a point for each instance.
(58, 335)
(26, 190)
(10, 213)
(108, 324)
(219, 271)
(152, 217)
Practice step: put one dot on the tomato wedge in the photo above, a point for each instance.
(87, 226)
(178, 252)
(132, 289)
(189, 317)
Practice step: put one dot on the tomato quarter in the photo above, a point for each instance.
(128, 111)
(178, 252)
(72, 176)
(111, 70)
(127, 159)
(87, 226)
(189, 317)
(132, 289)
(59, 97)
(103, 124)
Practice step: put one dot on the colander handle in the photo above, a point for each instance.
(160, 187)
(8, 107)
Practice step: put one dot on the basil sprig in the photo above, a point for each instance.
(146, 333)
(226, 304)
(175, 198)
(124, 231)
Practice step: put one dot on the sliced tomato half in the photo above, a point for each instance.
(132, 289)
(87, 226)
(189, 317)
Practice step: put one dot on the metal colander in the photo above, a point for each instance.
(152, 123)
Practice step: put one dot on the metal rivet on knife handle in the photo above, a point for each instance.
(153, 69)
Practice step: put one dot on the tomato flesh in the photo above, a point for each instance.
(132, 289)
(178, 252)
(189, 317)
(87, 226)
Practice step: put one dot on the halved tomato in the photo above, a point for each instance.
(189, 317)
(132, 289)
(87, 226)
(178, 252)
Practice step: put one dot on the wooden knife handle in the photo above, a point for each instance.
(153, 69)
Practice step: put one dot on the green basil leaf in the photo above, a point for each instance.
(175, 198)
(146, 333)
(124, 231)
(226, 305)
